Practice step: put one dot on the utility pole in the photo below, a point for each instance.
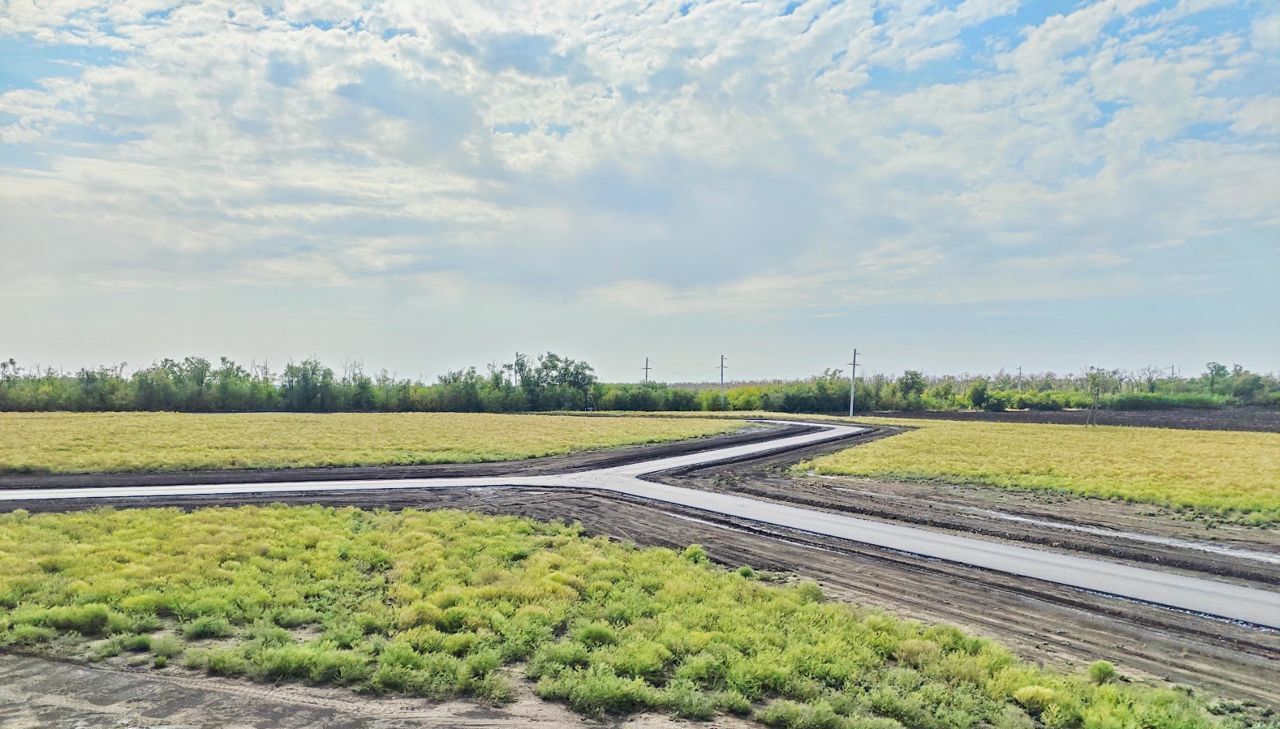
(722, 378)
(853, 377)
(646, 369)
(1019, 378)
(1171, 375)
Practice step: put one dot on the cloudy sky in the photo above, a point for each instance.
(947, 185)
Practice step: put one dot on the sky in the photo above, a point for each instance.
(948, 186)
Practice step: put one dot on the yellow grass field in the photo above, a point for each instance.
(1232, 474)
(96, 442)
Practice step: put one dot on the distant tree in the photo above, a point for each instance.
(911, 383)
(977, 394)
(307, 387)
(1215, 371)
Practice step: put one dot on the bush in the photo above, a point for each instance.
(596, 634)
(1035, 699)
(495, 689)
(275, 664)
(553, 658)
(27, 635)
(696, 554)
(918, 653)
(684, 699)
(809, 592)
(597, 691)
(207, 626)
(340, 667)
(792, 715)
(91, 619)
(166, 646)
(1101, 672)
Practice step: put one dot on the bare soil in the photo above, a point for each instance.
(39, 693)
(1145, 534)
(1241, 418)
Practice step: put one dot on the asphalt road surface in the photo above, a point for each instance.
(1181, 592)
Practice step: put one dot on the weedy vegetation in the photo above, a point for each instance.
(436, 604)
(89, 442)
(1229, 475)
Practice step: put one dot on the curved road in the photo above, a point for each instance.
(1208, 597)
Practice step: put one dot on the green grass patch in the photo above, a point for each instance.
(95, 442)
(446, 604)
(1230, 475)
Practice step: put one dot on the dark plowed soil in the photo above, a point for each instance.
(1262, 419)
(574, 462)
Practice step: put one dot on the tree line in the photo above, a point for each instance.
(554, 382)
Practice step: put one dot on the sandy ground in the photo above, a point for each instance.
(41, 694)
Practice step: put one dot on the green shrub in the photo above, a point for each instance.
(792, 715)
(554, 658)
(295, 617)
(809, 592)
(1101, 672)
(27, 635)
(638, 659)
(731, 702)
(166, 646)
(596, 634)
(342, 667)
(684, 699)
(419, 613)
(695, 553)
(91, 619)
(225, 662)
(276, 664)
(597, 691)
(495, 689)
(1035, 699)
(207, 626)
(918, 653)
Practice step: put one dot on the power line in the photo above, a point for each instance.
(722, 378)
(853, 375)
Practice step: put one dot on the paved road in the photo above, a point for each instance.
(1209, 597)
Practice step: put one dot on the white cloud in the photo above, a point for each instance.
(622, 154)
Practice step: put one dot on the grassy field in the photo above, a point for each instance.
(437, 603)
(88, 442)
(1231, 475)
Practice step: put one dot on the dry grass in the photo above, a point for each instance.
(92, 442)
(1229, 474)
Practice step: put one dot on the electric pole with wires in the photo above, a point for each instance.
(646, 369)
(723, 401)
(853, 378)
